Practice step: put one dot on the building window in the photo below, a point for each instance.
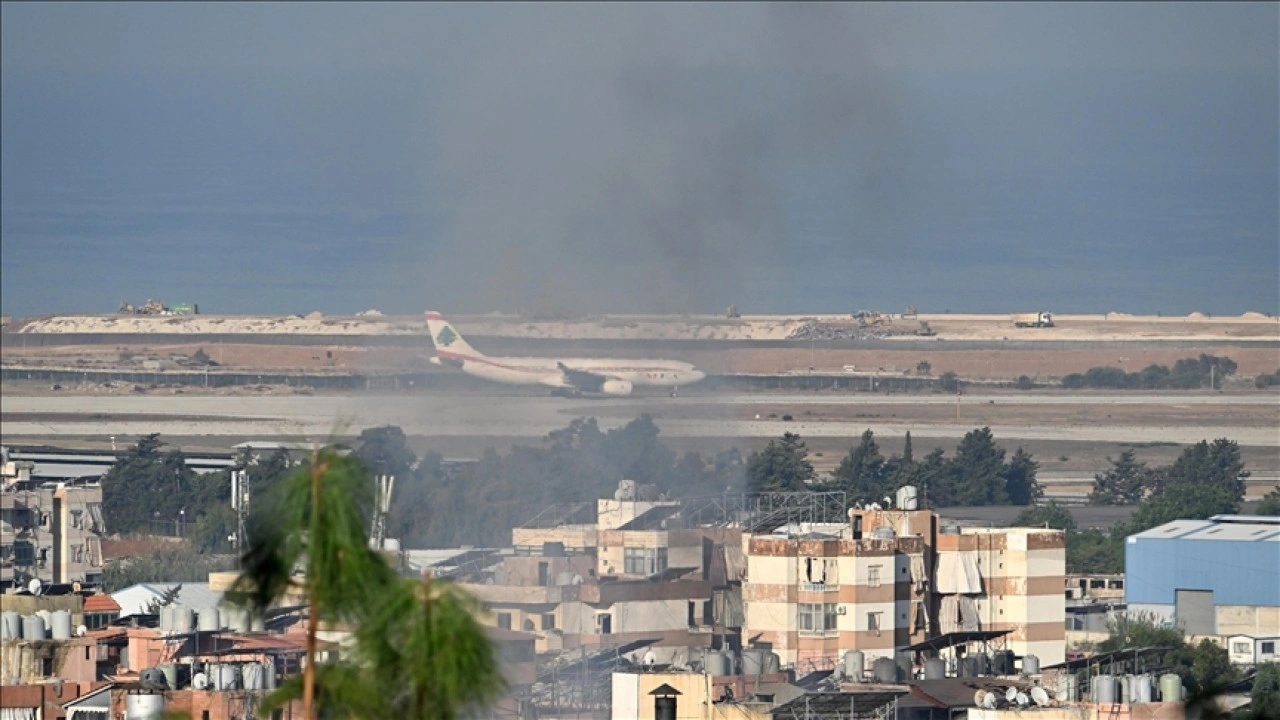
(504, 621)
(604, 624)
(817, 618)
(548, 621)
(1240, 648)
(873, 622)
(1268, 648)
(873, 576)
(643, 561)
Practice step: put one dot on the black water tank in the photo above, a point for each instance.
(1002, 662)
(664, 708)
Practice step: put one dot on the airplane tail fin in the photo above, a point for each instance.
(447, 339)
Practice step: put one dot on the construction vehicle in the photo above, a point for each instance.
(732, 312)
(910, 313)
(870, 318)
(1033, 320)
(925, 331)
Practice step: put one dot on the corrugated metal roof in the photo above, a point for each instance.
(1234, 530)
(1174, 529)
(133, 600)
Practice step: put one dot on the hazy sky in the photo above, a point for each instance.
(285, 157)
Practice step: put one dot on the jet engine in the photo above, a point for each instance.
(616, 387)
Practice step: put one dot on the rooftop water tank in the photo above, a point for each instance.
(1140, 689)
(237, 619)
(908, 497)
(10, 625)
(884, 670)
(855, 664)
(391, 544)
(183, 619)
(753, 661)
(144, 707)
(1030, 665)
(1067, 688)
(935, 669)
(60, 625)
(1002, 662)
(33, 627)
(772, 663)
(258, 623)
(1170, 687)
(170, 672)
(1104, 689)
(718, 664)
(210, 619)
(253, 676)
(269, 674)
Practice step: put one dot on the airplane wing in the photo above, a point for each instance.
(586, 381)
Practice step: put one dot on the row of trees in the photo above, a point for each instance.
(977, 474)
(1207, 479)
(1186, 373)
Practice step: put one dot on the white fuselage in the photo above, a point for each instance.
(547, 371)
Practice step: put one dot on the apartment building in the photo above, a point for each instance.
(50, 532)
(890, 579)
(630, 572)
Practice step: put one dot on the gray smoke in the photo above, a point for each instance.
(632, 157)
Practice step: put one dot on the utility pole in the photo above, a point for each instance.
(240, 504)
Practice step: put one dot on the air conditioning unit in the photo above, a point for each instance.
(842, 610)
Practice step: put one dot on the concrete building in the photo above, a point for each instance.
(624, 571)
(51, 532)
(1217, 577)
(894, 578)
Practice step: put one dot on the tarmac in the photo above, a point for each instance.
(317, 417)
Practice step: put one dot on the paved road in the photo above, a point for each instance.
(525, 416)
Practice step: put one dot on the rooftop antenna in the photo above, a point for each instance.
(382, 506)
(240, 504)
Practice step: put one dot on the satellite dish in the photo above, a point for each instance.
(200, 681)
(1039, 696)
(1022, 699)
(1010, 694)
(34, 586)
(650, 659)
(989, 702)
(978, 697)
(81, 630)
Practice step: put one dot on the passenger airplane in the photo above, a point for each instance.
(607, 376)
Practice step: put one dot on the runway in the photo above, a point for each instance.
(701, 416)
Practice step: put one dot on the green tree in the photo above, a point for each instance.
(1020, 485)
(933, 475)
(1265, 698)
(1123, 484)
(923, 368)
(1270, 503)
(1093, 551)
(861, 474)
(782, 466)
(1051, 515)
(1180, 502)
(1216, 464)
(1211, 669)
(978, 470)
(419, 652)
(146, 486)
(1024, 383)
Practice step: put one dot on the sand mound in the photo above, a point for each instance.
(1252, 315)
(1196, 316)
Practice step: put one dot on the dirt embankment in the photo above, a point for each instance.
(1111, 326)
